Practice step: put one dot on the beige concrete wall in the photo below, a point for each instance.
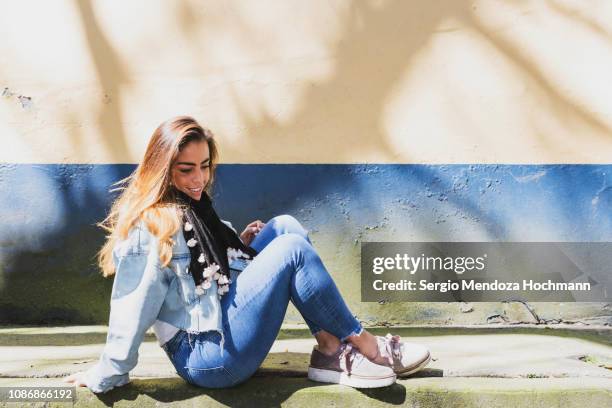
(317, 81)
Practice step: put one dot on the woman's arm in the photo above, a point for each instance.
(139, 290)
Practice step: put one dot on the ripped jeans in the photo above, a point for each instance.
(286, 269)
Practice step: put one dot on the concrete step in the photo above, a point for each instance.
(299, 392)
(482, 367)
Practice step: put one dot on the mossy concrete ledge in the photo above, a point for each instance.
(484, 367)
(300, 392)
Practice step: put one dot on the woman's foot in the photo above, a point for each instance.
(367, 344)
(403, 358)
(347, 366)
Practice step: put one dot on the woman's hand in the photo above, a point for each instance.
(251, 231)
(78, 379)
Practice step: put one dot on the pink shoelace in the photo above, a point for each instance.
(349, 354)
(392, 349)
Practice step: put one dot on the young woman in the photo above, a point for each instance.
(216, 299)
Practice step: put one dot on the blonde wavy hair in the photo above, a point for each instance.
(147, 193)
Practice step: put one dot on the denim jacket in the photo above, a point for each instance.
(143, 292)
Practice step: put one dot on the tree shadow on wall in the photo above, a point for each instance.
(113, 78)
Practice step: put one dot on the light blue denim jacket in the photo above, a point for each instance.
(143, 292)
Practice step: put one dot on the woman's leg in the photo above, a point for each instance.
(285, 224)
(288, 268)
(328, 343)
(275, 227)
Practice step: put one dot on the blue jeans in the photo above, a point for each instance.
(286, 269)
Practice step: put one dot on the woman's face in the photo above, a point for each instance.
(191, 170)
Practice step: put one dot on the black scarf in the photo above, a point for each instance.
(210, 243)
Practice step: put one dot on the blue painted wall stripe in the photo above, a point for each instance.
(48, 212)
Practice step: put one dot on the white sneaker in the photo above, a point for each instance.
(404, 358)
(348, 366)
